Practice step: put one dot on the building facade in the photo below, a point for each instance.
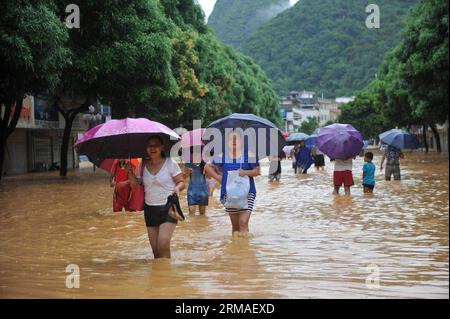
(431, 140)
(297, 107)
(35, 144)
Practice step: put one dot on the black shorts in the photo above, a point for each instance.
(369, 186)
(157, 215)
(319, 160)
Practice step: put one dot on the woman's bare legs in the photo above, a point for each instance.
(202, 210)
(153, 238)
(234, 223)
(244, 218)
(192, 209)
(164, 236)
(239, 223)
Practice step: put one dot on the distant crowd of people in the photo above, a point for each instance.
(235, 171)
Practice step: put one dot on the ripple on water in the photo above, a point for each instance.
(305, 243)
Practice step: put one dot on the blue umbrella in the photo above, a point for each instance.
(251, 121)
(296, 137)
(311, 141)
(400, 139)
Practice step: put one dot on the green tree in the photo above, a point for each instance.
(424, 63)
(30, 62)
(413, 80)
(212, 80)
(121, 55)
(309, 125)
(364, 116)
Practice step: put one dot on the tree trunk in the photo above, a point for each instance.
(7, 126)
(69, 117)
(437, 137)
(424, 137)
(2, 154)
(65, 145)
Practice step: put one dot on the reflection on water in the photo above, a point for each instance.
(306, 242)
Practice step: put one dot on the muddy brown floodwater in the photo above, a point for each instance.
(306, 242)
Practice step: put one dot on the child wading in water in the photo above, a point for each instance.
(235, 158)
(368, 173)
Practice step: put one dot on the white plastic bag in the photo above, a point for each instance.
(237, 190)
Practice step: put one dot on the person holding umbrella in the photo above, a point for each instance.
(235, 158)
(238, 164)
(392, 156)
(396, 140)
(300, 159)
(303, 158)
(161, 178)
(341, 142)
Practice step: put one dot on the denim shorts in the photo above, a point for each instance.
(198, 195)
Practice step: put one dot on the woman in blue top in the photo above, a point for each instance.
(197, 194)
(235, 158)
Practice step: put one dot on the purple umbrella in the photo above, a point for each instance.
(126, 138)
(340, 141)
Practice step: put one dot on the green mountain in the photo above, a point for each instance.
(235, 20)
(325, 45)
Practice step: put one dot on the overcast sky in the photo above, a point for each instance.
(208, 5)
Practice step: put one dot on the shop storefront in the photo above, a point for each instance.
(35, 144)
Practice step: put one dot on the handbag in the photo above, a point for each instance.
(137, 198)
(237, 190)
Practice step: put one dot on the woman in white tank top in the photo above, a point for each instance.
(161, 177)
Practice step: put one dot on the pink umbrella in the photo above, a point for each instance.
(126, 138)
(192, 138)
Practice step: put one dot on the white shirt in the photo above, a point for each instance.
(343, 165)
(158, 187)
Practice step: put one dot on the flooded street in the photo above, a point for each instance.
(306, 243)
